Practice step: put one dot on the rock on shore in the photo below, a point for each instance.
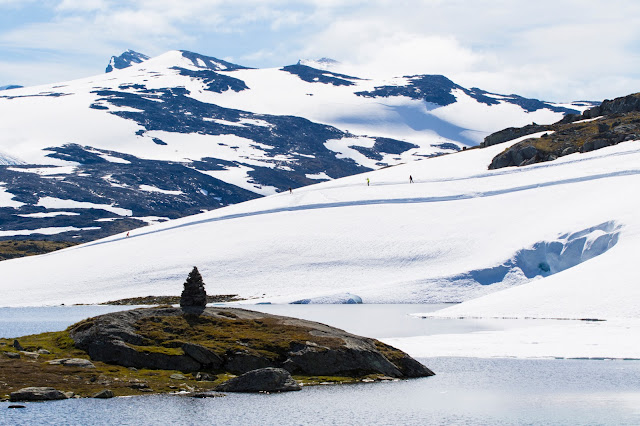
(37, 394)
(236, 341)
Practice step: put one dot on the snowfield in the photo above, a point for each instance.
(550, 241)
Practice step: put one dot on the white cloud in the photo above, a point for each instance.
(553, 49)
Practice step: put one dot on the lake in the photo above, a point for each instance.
(465, 391)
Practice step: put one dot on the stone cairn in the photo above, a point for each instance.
(193, 295)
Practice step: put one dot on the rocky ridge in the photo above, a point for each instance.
(235, 341)
(612, 122)
(194, 350)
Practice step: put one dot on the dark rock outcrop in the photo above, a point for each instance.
(511, 133)
(37, 394)
(206, 357)
(236, 341)
(608, 124)
(262, 380)
(624, 104)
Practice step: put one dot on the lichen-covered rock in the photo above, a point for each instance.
(237, 341)
(37, 394)
(261, 380)
(73, 362)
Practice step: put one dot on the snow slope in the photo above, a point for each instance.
(569, 229)
(207, 133)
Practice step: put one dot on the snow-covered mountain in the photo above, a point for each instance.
(565, 228)
(180, 133)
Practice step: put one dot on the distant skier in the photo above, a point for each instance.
(367, 181)
(290, 190)
(410, 179)
(127, 233)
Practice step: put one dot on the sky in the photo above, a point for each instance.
(555, 50)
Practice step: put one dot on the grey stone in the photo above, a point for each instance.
(37, 394)
(594, 144)
(177, 376)
(139, 385)
(17, 345)
(32, 355)
(206, 377)
(262, 380)
(104, 394)
(206, 395)
(12, 355)
(73, 362)
(43, 352)
(206, 357)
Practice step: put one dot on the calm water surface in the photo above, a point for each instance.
(465, 391)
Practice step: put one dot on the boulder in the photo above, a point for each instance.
(32, 355)
(104, 394)
(73, 362)
(12, 355)
(206, 395)
(37, 394)
(261, 380)
(206, 377)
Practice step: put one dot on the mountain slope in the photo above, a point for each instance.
(170, 136)
(458, 232)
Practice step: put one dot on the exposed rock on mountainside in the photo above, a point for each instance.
(609, 124)
(237, 341)
(125, 60)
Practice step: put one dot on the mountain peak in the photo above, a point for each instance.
(322, 63)
(125, 60)
(209, 62)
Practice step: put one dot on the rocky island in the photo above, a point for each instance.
(194, 348)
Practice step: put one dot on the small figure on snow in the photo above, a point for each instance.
(290, 190)
(367, 181)
(410, 179)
